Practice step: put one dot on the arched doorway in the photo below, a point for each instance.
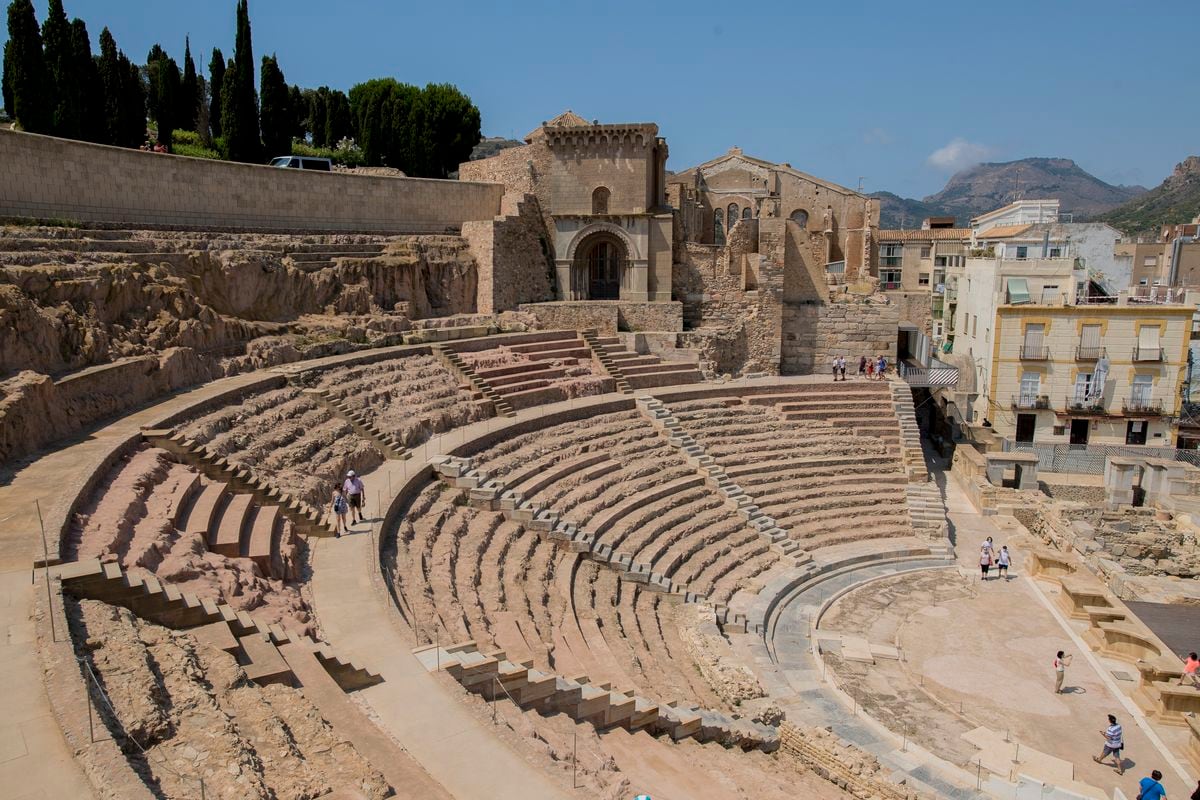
(600, 262)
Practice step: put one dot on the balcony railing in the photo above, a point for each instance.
(1147, 353)
(1030, 401)
(1089, 353)
(1082, 404)
(889, 286)
(1035, 352)
(1140, 404)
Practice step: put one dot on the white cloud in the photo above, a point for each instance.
(877, 136)
(959, 153)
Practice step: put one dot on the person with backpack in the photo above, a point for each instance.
(1151, 788)
(340, 507)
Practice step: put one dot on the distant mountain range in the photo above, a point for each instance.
(989, 186)
(1175, 200)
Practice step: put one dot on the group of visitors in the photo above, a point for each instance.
(348, 502)
(868, 368)
(990, 557)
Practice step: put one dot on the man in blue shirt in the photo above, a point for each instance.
(1150, 788)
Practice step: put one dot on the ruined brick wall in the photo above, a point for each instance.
(915, 307)
(608, 316)
(521, 170)
(814, 333)
(514, 257)
(45, 177)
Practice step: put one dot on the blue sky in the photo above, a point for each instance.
(901, 94)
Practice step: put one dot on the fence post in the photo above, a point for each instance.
(46, 563)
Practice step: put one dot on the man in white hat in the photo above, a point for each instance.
(355, 491)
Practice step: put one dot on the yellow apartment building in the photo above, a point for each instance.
(1087, 374)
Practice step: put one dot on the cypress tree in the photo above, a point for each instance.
(61, 82)
(189, 90)
(275, 116)
(113, 89)
(299, 111)
(6, 96)
(337, 121)
(164, 84)
(133, 92)
(316, 116)
(92, 126)
(216, 79)
(25, 70)
(239, 105)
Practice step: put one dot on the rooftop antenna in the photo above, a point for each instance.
(860, 183)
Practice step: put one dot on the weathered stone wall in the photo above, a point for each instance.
(521, 170)
(45, 177)
(814, 333)
(915, 307)
(607, 316)
(35, 410)
(515, 258)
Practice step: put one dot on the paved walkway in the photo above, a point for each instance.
(993, 654)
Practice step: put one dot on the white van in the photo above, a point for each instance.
(303, 162)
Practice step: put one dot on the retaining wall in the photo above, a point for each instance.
(45, 177)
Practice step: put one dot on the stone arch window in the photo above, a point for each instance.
(800, 217)
(600, 200)
(719, 227)
(732, 215)
(746, 212)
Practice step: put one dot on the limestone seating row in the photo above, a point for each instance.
(488, 492)
(308, 520)
(798, 493)
(495, 677)
(714, 476)
(456, 363)
(926, 508)
(389, 444)
(600, 347)
(233, 525)
(638, 371)
(545, 358)
(163, 604)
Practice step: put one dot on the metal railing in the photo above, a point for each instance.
(1140, 404)
(1084, 404)
(1034, 352)
(1089, 353)
(1147, 353)
(1030, 401)
(1089, 459)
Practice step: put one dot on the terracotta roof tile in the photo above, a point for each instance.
(921, 235)
(1003, 231)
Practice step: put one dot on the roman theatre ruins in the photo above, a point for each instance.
(622, 534)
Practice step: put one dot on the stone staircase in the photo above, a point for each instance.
(363, 425)
(309, 521)
(927, 510)
(714, 474)
(494, 677)
(910, 433)
(456, 363)
(485, 491)
(641, 371)
(600, 350)
(232, 525)
(254, 643)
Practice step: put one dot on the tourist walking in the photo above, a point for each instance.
(870, 368)
(1003, 562)
(1150, 788)
(985, 561)
(1114, 743)
(990, 546)
(1190, 665)
(340, 507)
(881, 368)
(1196, 794)
(834, 363)
(842, 366)
(862, 366)
(355, 493)
(1061, 661)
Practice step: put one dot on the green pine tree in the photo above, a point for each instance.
(6, 96)
(216, 79)
(25, 70)
(61, 81)
(316, 115)
(299, 111)
(164, 85)
(239, 102)
(133, 92)
(111, 80)
(275, 116)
